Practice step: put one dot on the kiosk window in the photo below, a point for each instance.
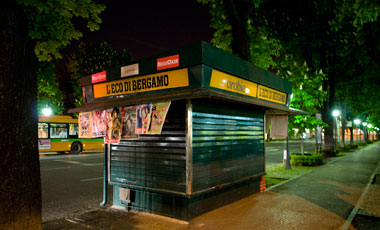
(43, 130)
(58, 130)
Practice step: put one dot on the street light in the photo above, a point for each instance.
(357, 122)
(47, 111)
(336, 114)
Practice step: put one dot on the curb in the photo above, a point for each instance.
(356, 209)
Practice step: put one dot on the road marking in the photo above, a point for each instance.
(91, 179)
(271, 149)
(80, 163)
(58, 168)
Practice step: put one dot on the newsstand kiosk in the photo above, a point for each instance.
(210, 150)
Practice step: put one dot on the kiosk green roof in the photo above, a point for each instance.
(198, 70)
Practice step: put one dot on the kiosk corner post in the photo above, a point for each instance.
(189, 141)
(105, 175)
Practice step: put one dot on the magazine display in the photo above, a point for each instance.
(143, 118)
(158, 115)
(129, 122)
(114, 125)
(99, 123)
(84, 125)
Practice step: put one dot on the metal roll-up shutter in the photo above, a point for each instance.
(154, 161)
(227, 144)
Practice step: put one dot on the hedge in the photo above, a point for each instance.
(308, 159)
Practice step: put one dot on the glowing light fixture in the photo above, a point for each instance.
(47, 111)
(357, 121)
(335, 113)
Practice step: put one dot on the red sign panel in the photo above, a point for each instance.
(168, 62)
(98, 77)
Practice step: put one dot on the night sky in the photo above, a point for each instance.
(146, 28)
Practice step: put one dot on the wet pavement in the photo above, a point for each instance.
(333, 196)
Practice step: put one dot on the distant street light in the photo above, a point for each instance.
(335, 113)
(357, 122)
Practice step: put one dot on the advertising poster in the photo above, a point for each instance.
(143, 118)
(159, 111)
(114, 125)
(44, 144)
(99, 123)
(129, 122)
(84, 125)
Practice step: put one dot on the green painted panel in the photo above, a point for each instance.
(154, 161)
(228, 143)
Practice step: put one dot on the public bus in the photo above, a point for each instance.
(59, 133)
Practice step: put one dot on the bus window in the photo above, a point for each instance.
(42, 130)
(58, 130)
(73, 130)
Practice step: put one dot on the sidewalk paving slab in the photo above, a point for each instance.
(322, 199)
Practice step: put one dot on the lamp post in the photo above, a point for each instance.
(365, 136)
(370, 126)
(357, 122)
(336, 114)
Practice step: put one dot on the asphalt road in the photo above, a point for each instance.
(72, 184)
(274, 150)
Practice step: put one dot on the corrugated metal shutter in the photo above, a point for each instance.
(228, 144)
(154, 161)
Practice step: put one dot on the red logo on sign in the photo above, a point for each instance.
(98, 77)
(168, 62)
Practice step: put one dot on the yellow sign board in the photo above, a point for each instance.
(152, 82)
(231, 83)
(272, 95)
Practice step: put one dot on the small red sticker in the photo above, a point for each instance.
(98, 77)
(168, 62)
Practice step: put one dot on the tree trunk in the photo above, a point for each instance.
(343, 131)
(328, 134)
(238, 13)
(302, 147)
(351, 136)
(65, 86)
(20, 191)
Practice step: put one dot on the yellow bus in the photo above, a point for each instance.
(59, 133)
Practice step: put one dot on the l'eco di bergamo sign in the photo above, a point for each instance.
(234, 84)
(152, 82)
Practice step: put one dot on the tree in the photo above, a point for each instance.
(48, 94)
(29, 30)
(93, 58)
(269, 52)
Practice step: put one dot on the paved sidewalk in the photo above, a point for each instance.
(322, 199)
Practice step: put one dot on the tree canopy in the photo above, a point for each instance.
(328, 50)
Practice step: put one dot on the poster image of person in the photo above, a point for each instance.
(159, 111)
(114, 125)
(85, 123)
(129, 122)
(143, 118)
(99, 125)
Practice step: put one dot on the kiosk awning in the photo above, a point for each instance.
(195, 71)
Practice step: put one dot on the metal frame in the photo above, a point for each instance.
(189, 147)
